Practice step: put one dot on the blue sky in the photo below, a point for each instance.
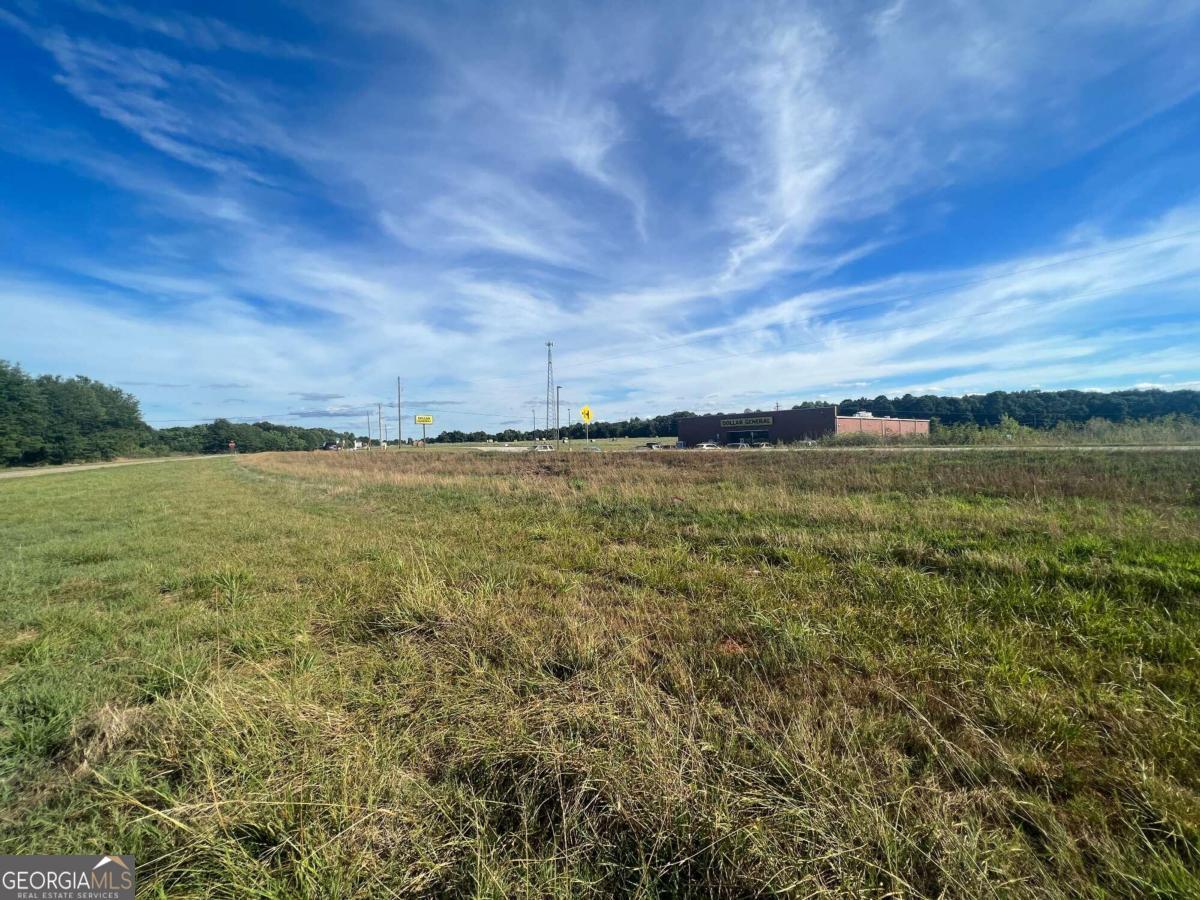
(251, 210)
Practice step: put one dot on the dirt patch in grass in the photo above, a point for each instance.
(19, 638)
(100, 734)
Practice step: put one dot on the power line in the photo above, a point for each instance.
(203, 420)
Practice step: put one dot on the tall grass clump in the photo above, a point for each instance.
(1172, 429)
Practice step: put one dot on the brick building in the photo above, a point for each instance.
(785, 426)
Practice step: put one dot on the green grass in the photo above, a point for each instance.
(648, 675)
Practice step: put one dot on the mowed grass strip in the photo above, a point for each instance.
(646, 675)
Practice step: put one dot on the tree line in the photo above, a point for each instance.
(657, 426)
(256, 437)
(48, 419)
(1034, 409)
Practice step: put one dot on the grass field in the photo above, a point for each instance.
(606, 445)
(645, 675)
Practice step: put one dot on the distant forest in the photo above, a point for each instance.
(48, 419)
(1036, 409)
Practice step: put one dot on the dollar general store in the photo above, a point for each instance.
(784, 426)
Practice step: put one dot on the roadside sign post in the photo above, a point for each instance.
(423, 421)
(585, 413)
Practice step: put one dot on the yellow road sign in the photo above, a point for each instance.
(585, 413)
(423, 420)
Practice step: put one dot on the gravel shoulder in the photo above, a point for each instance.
(83, 467)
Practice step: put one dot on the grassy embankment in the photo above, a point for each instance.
(662, 674)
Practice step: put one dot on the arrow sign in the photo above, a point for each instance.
(585, 413)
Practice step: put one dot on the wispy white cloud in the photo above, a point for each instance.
(150, 94)
(203, 32)
(314, 396)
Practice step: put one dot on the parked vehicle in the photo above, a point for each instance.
(708, 445)
(542, 448)
(740, 445)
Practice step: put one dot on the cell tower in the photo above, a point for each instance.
(549, 379)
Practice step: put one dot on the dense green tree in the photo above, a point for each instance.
(52, 419)
(1036, 409)
(22, 416)
(49, 419)
(258, 437)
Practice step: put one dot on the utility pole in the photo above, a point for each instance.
(557, 411)
(399, 413)
(549, 380)
(368, 430)
(382, 429)
(533, 433)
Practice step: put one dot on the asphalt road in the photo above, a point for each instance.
(83, 467)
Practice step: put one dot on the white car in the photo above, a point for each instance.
(542, 448)
(708, 445)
